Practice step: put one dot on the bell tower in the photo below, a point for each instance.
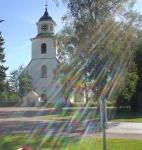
(43, 45)
(46, 24)
(43, 60)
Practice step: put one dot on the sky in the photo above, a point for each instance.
(19, 26)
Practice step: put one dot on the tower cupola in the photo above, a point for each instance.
(46, 25)
(46, 16)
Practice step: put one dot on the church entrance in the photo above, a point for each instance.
(43, 99)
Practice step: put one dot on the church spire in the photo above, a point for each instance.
(46, 6)
(46, 16)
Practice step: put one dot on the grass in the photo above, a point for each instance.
(54, 117)
(13, 142)
(64, 115)
(112, 144)
(128, 116)
(121, 116)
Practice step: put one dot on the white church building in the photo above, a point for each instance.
(43, 61)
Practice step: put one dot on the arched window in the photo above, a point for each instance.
(44, 72)
(43, 48)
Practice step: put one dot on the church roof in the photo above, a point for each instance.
(46, 16)
(44, 35)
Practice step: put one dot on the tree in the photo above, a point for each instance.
(93, 26)
(14, 79)
(126, 98)
(2, 67)
(25, 84)
(12, 85)
(136, 100)
(98, 45)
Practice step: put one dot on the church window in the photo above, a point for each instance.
(43, 48)
(44, 72)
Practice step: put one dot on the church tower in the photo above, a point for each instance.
(43, 45)
(43, 62)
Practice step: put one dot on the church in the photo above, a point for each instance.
(43, 62)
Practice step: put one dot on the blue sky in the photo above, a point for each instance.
(20, 26)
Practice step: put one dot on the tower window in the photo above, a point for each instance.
(43, 48)
(44, 72)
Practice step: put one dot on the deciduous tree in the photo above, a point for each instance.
(98, 37)
(25, 84)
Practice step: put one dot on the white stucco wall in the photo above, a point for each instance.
(36, 48)
(41, 85)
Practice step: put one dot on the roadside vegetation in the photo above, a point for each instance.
(128, 116)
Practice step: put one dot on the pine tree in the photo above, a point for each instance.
(2, 67)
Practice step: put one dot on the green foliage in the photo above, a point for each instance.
(11, 96)
(130, 83)
(14, 79)
(66, 42)
(11, 88)
(136, 103)
(25, 84)
(9, 99)
(99, 45)
(128, 116)
(131, 94)
(2, 68)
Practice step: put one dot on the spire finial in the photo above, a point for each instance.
(46, 5)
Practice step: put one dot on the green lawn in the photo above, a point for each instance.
(113, 144)
(86, 143)
(54, 117)
(122, 116)
(66, 116)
